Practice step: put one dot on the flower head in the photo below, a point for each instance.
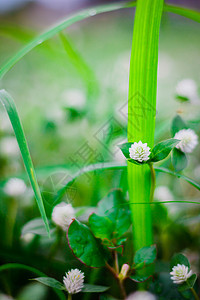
(143, 295)
(180, 274)
(187, 88)
(62, 215)
(188, 140)
(139, 151)
(74, 281)
(15, 187)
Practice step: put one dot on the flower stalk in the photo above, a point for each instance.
(142, 112)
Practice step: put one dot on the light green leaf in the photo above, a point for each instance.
(11, 109)
(179, 160)
(90, 288)
(102, 227)
(182, 11)
(145, 255)
(50, 282)
(35, 226)
(84, 245)
(162, 149)
(177, 125)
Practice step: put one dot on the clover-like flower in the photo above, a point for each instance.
(15, 187)
(187, 88)
(74, 281)
(188, 140)
(180, 274)
(139, 151)
(62, 215)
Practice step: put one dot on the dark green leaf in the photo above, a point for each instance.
(179, 259)
(142, 276)
(102, 227)
(90, 288)
(50, 282)
(182, 99)
(84, 245)
(177, 124)
(11, 109)
(146, 255)
(115, 207)
(162, 149)
(188, 284)
(179, 160)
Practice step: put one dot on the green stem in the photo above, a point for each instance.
(196, 297)
(11, 217)
(116, 262)
(69, 297)
(142, 111)
(153, 181)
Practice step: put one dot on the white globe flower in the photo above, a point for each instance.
(143, 295)
(74, 98)
(139, 151)
(62, 215)
(188, 140)
(9, 147)
(15, 187)
(180, 274)
(163, 193)
(74, 281)
(187, 88)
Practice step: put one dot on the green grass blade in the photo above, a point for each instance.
(182, 11)
(59, 27)
(10, 107)
(11, 266)
(142, 111)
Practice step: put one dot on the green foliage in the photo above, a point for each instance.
(179, 259)
(102, 227)
(84, 245)
(162, 150)
(188, 284)
(50, 282)
(144, 256)
(11, 109)
(91, 288)
(179, 160)
(141, 277)
(177, 124)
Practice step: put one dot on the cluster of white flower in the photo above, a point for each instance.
(139, 151)
(188, 140)
(74, 281)
(9, 147)
(62, 215)
(15, 187)
(180, 274)
(187, 88)
(143, 295)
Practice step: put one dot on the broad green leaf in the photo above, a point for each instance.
(50, 282)
(179, 160)
(162, 149)
(102, 227)
(146, 255)
(11, 109)
(125, 149)
(115, 207)
(11, 266)
(177, 125)
(35, 226)
(179, 259)
(143, 276)
(189, 284)
(84, 245)
(90, 288)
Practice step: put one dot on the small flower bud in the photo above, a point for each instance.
(124, 271)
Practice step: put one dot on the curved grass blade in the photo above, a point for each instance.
(182, 11)
(33, 270)
(59, 27)
(11, 109)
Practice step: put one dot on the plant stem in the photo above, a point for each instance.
(142, 112)
(11, 217)
(153, 181)
(115, 274)
(69, 297)
(196, 297)
(116, 262)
